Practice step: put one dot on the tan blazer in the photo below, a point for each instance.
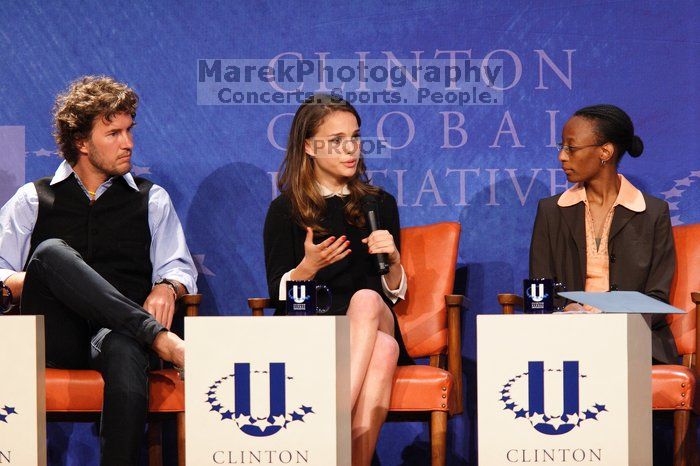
(642, 255)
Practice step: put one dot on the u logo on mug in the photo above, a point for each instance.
(302, 298)
(537, 293)
(298, 294)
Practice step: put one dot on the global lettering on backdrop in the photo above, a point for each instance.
(443, 77)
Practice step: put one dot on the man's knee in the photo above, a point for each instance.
(51, 251)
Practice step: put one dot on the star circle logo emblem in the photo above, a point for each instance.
(523, 395)
(237, 408)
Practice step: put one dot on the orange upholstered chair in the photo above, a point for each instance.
(674, 386)
(429, 319)
(76, 396)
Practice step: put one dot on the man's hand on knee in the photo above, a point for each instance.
(161, 304)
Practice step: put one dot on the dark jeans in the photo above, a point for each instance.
(78, 306)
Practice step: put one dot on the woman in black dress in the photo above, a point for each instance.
(315, 230)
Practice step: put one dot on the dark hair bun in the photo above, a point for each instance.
(636, 147)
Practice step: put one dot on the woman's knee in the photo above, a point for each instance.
(366, 305)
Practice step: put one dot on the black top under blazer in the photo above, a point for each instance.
(641, 248)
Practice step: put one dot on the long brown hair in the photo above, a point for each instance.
(297, 180)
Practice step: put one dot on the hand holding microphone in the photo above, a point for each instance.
(380, 243)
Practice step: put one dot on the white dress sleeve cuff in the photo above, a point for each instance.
(398, 293)
(283, 285)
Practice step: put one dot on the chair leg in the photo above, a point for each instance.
(681, 422)
(438, 437)
(692, 449)
(181, 439)
(155, 443)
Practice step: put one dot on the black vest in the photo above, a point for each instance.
(112, 234)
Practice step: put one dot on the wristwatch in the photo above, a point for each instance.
(5, 299)
(170, 283)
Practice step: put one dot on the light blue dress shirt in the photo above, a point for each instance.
(169, 254)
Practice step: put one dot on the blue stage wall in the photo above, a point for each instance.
(218, 161)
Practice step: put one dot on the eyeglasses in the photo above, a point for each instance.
(571, 149)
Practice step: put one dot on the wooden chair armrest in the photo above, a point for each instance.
(510, 302)
(257, 305)
(455, 303)
(190, 303)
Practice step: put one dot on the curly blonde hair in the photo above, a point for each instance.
(87, 98)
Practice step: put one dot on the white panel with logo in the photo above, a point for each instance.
(564, 389)
(267, 390)
(22, 392)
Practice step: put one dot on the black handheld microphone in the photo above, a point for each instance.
(370, 208)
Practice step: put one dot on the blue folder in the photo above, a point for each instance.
(621, 302)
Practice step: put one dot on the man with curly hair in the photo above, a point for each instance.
(102, 256)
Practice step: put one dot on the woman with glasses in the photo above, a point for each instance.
(603, 234)
(315, 230)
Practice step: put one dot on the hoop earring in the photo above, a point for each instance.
(602, 162)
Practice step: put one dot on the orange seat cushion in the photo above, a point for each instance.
(70, 390)
(672, 387)
(421, 388)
